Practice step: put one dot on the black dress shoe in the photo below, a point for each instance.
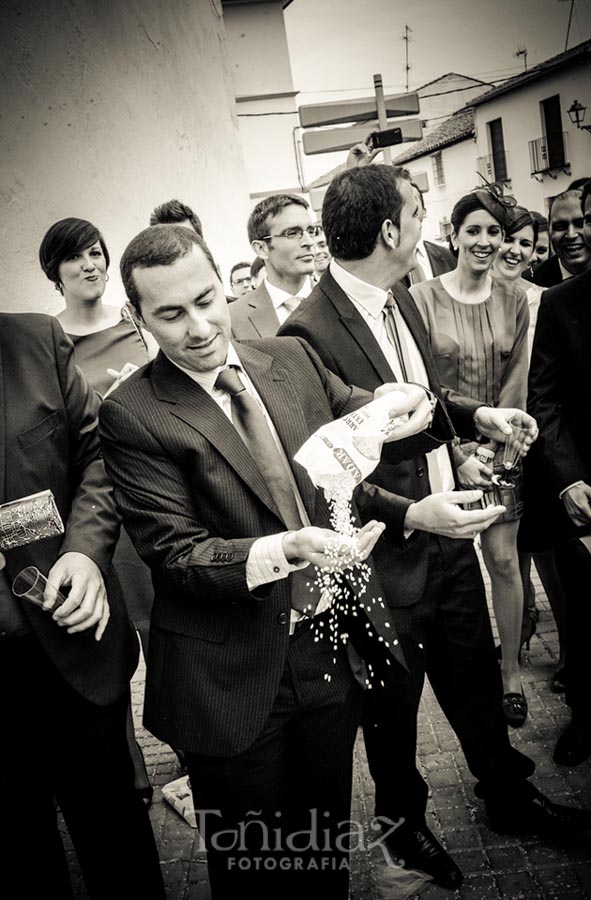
(540, 815)
(573, 746)
(418, 848)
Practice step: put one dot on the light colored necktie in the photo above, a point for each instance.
(417, 274)
(252, 426)
(292, 303)
(396, 336)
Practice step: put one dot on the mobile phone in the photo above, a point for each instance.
(385, 138)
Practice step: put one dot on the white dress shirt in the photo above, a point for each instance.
(369, 301)
(424, 261)
(279, 296)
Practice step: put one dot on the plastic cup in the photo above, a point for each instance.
(30, 585)
(514, 443)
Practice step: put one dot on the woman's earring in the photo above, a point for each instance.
(58, 287)
(107, 277)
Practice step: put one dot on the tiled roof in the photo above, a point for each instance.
(574, 55)
(457, 128)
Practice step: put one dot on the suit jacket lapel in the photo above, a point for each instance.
(193, 405)
(262, 312)
(357, 328)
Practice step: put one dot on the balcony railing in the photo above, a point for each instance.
(547, 153)
(493, 167)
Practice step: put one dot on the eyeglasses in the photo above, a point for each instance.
(295, 234)
(240, 281)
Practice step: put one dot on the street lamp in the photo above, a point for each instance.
(576, 114)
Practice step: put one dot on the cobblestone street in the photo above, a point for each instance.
(495, 866)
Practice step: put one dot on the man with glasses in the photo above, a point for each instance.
(281, 233)
(240, 280)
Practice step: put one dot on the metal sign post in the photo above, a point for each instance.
(382, 117)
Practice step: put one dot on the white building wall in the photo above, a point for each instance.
(265, 97)
(522, 122)
(459, 167)
(108, 110)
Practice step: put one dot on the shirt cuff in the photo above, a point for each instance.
(266, 561)
(564, 490)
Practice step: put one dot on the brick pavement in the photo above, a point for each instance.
(495, 866)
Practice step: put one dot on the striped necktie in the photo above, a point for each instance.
(252, 426)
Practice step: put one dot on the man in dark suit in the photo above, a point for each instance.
(429, 571)
(263, 705)
(282, 234)
(559, 391)
(431, 259)
(572, 254)
(64, 677)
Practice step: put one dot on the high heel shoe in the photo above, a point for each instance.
(515, 709)
(559, 680)
(528, 630)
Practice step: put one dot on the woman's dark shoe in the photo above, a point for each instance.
(559, 680)
(515, 709)
(145, 794)
(528, 629)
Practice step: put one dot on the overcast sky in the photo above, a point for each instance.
(336, 46)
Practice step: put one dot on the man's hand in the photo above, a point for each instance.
(86, 604)
(329, 550)
(442, 514)
(577, 502)
(496, 424)
(360, 155)
(418, 403)
(474, 474)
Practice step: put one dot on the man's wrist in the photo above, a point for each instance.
(567, 489)
(290, 548)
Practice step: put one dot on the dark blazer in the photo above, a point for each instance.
(194, 502)
(441, 259)
(330, 323)
(547, 274)
(254, 316)
(49, 439)
(560, 380)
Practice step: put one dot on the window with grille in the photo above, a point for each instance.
(438, 173)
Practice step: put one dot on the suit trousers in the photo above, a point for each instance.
(574, 567)
(58, 748)
(447, 635)
(275, 818)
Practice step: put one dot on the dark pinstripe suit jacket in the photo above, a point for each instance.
(49, 439)
(194, 502)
